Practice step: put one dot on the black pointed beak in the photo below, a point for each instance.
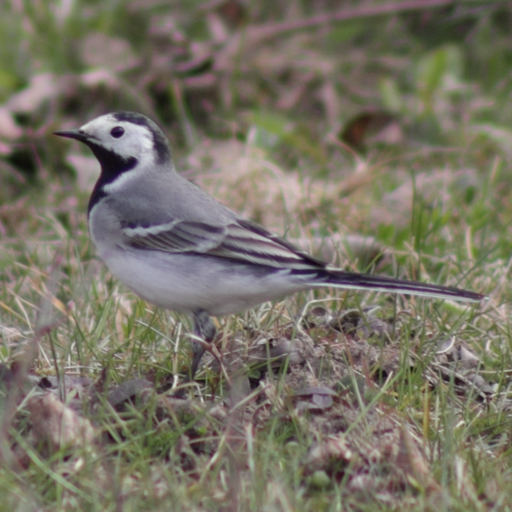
(73, 134)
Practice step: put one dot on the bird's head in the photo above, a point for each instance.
(122, 141)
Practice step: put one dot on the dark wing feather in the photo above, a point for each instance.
(241, 240)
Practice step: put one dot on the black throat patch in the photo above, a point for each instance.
(112, 166)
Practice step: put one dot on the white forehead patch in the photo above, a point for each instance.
(136, 142)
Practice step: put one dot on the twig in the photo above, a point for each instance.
(364, 11)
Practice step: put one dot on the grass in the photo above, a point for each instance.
(352, 401)
(153, 454)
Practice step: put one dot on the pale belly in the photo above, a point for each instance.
(188, 283)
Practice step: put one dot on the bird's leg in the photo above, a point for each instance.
(203, 328)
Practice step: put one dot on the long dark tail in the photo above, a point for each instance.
(341, 279)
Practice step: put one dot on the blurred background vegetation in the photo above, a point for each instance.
(312, 83)
(331, 92)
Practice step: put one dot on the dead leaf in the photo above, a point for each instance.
(112, 53)
(56, 425)
(87, 170)
(43, 87)
(100, 77)
(128, 389)
(331, 455)
(8, 128)
(374, 126)
(320, 398)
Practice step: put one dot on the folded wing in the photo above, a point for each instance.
(240, 240)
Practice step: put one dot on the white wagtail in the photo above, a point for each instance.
(177, 247)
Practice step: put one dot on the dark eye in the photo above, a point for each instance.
(117, 132)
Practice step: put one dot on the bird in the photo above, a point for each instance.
(176, 247)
